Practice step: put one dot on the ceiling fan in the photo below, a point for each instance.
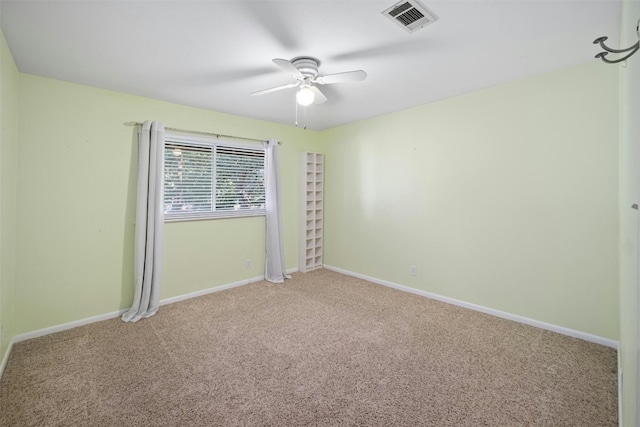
(305, 70)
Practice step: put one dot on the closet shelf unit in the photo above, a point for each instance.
(311, 211)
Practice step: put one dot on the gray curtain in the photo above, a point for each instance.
(274, 270)
(149, 223)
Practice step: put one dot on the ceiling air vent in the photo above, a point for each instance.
(410, 15)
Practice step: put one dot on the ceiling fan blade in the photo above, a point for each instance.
(274, 89)
(348, 76)
(288, 67)
(319, 96)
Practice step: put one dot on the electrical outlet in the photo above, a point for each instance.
(2, 334)
(413, 271)
(247, 263)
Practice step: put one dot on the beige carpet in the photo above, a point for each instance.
(323, 349)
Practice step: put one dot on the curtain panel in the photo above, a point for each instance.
(275, 270)
(148, 246)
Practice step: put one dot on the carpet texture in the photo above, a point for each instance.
(322, 349)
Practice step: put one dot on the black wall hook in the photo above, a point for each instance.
(631, 50)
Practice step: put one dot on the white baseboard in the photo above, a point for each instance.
(114, 314)
(5, 358)
(218, 288)
(210, 290)
(516, 318)
(63, 327)
(620, 391)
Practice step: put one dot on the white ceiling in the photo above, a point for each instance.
(212, 54)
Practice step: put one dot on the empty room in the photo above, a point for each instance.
(319, 213)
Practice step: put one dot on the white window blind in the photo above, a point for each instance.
(205, 179)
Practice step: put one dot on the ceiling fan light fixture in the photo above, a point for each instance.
(305, 96)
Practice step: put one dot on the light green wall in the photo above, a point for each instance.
(506, 198)
(629, 192)
(76, 201)
(8, 175)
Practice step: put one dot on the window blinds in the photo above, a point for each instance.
(205, 180)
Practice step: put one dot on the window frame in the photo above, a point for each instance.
(202, 141)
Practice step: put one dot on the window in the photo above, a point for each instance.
(211, 179)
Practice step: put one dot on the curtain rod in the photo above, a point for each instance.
(217, 135)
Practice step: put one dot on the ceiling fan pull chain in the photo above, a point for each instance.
(305, 118)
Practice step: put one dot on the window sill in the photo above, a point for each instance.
(216, 215)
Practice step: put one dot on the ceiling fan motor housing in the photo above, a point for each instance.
(307, 66)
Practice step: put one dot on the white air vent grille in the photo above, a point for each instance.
(410, 15)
